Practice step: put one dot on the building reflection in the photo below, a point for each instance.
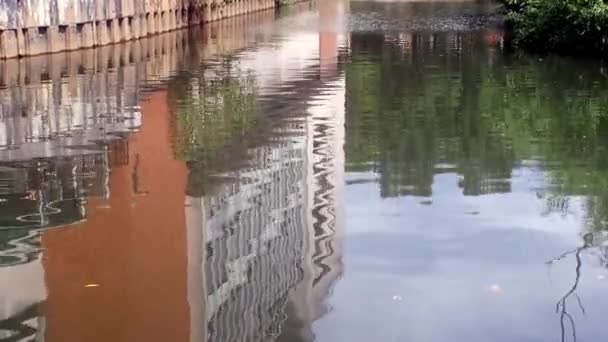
(43, 194)
(321, 263)
(279, 212)
(122, 270)
(324, 126)
(63, 123)
(99, 241)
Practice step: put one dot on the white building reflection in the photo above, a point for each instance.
(324, 220)
(271, 241)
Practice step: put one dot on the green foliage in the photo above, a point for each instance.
(514, 5)
(214, 108)
(211, 114)
(404, 126)
(564, 26)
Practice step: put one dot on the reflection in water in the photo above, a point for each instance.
(427, 121)
(96, 158)
(270, 216)
(43, 194)
(561, 307)
(343, 191)
(64, 119)
(490, 162)
(50, 194)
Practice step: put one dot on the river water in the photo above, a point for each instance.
(335, 171)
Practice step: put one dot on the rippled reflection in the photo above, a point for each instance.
(180, 191)
(474, 167)
(339, 171)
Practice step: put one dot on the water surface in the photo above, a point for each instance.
(338, 171)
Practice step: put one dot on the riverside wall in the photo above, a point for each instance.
(58, 104)
(34, 27)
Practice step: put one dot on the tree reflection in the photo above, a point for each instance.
(561, 306)
(213, 107)
(214, 110)
(426, 121)
(423, 104)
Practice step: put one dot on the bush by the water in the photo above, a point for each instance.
(563, 26)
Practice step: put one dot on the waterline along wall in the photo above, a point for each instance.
(66, 103)
(33, 27)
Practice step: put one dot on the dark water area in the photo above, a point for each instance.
(334, 171)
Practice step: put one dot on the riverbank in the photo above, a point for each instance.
(35, 27)
(567, 27)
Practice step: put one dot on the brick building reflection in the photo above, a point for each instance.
(43, 193)
(121, 274)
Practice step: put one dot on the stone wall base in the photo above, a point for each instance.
(37, 40)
